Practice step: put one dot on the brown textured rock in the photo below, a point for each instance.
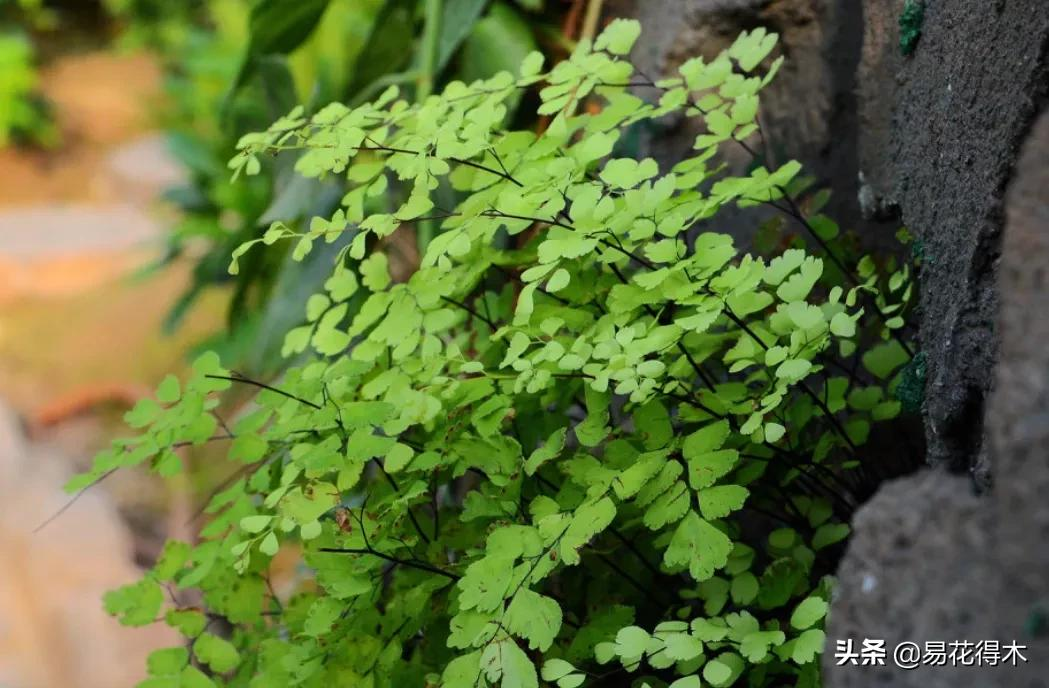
(875, 82)
(909, 574)
(1018, 412)
(808, 112)
(796, 106)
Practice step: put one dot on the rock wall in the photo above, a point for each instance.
(809, 113)
(927, 140)
(1018, 412)
(941, 130)
(930, 140)
(931, 560)
(941, 134)
(910, 575)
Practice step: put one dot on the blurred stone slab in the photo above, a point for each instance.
(144, 168)
(45, 231)
(57, 250)
(53, 630)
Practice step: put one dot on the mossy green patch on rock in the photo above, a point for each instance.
(911, 25)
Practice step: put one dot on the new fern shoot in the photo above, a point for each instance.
(584, 443)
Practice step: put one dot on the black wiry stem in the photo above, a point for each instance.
(471, 311)
(396, 488)
(411, 563)
(236, 377)
(460, 161)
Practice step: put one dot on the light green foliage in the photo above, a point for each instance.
(536, 454)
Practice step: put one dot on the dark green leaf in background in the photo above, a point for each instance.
(457, 20)
(277, 27)
(499, 42)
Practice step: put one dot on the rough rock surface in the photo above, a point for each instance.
(796, 106)
(960, 106)
(1018, 412)
(809, 112)
(876, 78)
(941, 131)
(931, 561)
(909, 575)
(933, 137)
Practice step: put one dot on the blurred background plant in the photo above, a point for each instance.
(23, 115)
(233, 65)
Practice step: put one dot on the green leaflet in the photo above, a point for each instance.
(706, 468)
(550, 449)
(486, 583)
(588, 520)
(505, 662)
(705, 440)
(216, 652)
(719, 502)
(698, 546)
(563, 673)
(535, 618)
(189, 623)
(723, 670)
(631, 641)
(807, 613)
(137, 604)
(166, 662)
(595, 428)
(807, 646)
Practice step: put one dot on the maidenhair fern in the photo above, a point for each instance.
(585, 442)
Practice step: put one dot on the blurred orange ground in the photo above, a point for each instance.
(80, 332)
(76, 224)
(99, 100)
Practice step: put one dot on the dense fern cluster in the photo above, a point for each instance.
(585, 442)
